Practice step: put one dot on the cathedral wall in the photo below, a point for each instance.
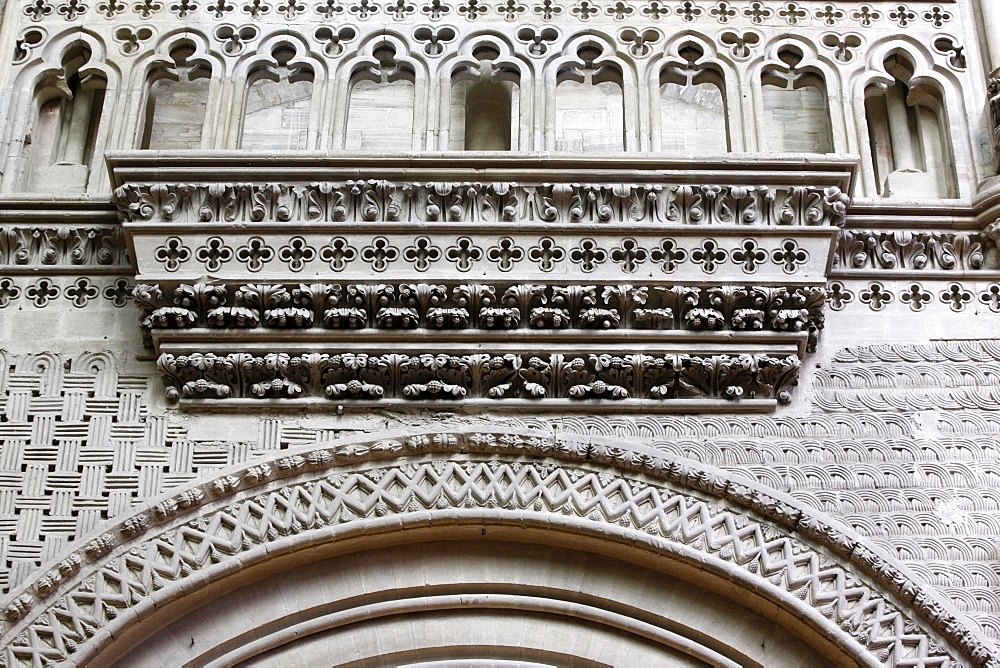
(755, 236)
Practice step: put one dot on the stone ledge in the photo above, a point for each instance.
(298, 167)
(477, 406)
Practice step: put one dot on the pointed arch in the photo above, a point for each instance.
(383, 96)
(691, 110)
(281, 104)
(591, 63)
(910, 148)
(177, 90)
(793, 98)
(485, 68)
(61, 114)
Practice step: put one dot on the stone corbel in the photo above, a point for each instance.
(557, 285)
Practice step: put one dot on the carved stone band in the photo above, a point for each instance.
(564, 203)
(502, 307)
(501, 377)
(64, 248)
(458, 251)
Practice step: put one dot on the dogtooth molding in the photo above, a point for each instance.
(866, 602)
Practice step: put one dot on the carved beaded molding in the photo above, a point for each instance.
(631, 494)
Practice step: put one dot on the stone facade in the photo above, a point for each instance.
(500, 332)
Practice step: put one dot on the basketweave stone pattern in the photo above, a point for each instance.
(79, 447)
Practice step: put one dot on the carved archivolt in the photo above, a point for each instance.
(829, 576)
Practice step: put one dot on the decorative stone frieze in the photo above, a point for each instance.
(80, 291)
(78, 248)
(358, 376)
(502, 307)
(369, 200)
(635, 280)
(537, 218)
(61, 236)
(457, 252)
(914, 251)
(571, 316)
(916, 296)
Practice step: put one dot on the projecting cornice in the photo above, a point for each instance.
(294, 167)
(524, 281)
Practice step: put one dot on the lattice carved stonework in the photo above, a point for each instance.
(64, 426)
(650, 285)
(626, 492)
(859, 467)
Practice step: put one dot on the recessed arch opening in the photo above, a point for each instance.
(476, 590)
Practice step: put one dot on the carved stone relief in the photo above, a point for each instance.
(916, 296)
(82, 248)
(564, 203)
(438, 376)
(602, 296)
(172, 540)
(601, 254)
(483, 306)
(614, 341)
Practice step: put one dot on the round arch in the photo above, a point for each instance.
(469, 536)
